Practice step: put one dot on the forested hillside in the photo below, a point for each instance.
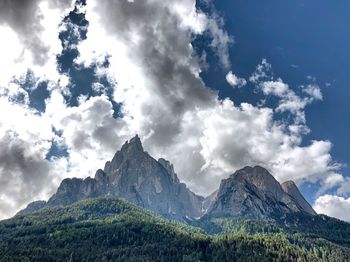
(110, 229)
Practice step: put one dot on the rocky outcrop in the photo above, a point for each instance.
(253, 192)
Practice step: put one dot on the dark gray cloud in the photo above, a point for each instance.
(25, 17)
(164, 53)
(23, 173)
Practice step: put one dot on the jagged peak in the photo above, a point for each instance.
(134, 143)
(131, 149)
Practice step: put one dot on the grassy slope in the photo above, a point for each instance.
(108, 229)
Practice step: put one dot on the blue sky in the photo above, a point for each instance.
(210, 85)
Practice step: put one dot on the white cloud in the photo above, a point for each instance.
(277, 88)
(262, 71)
(289, 100)
(234, 80)
(23, 26)
(89, 132)
(25, 174)
(334, 206)
(344, 187)
(314, 91)
(330, 182)
(220, 39)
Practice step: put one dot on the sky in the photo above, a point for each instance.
(212, 86)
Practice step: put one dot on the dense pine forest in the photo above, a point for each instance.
(110, 229)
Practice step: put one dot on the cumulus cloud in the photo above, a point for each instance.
(165, 101)
(262, 71)
(234, 80)
(334, 206)
(25, 139)
(330, 182)
(314, 91)
(29, 31)
(344, 187)
(289, 100)
(89, 132)
(25, 18)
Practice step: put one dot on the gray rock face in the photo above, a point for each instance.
(74, 189)
(291, 189)
(253, 193)
(136, 176)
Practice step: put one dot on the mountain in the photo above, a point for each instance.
(122, 215)
(134, 175)
(111, 229)
(253, 192)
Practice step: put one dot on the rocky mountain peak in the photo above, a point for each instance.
(131, 152)
(261, 178)
(253, 192)
(133, 145)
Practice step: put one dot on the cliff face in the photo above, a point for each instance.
(134, 175)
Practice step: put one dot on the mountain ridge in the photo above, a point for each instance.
(133, 174)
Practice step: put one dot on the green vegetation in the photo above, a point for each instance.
(325, 238)
(109, 229)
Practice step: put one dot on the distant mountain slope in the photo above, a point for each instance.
(109, 229)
